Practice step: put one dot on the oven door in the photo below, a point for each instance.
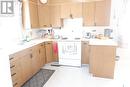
(71, 50)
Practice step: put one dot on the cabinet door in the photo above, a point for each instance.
(76, 10)
(102, 61)
(49, 57)
(35, 59)
(26, 66)
(42, 54)
(65, 10)
(55, 15)
(88, 14)
(102, 13)
(85, 53)
(44, 16)
(34, 15)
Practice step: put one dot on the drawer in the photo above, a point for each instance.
(16, 84)
(15, 56)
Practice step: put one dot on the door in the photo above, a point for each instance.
(34, 15)
(85, 53)
(35, 59)
(42, 54)
(26, 66)
(48, 47)
(65, 10)
(44, 15)
(55, 15)
(76, 10)
(102, 13)
(89, 14)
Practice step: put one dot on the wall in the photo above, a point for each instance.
(11, 26)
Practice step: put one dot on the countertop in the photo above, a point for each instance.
(12, 48)
(107, 42)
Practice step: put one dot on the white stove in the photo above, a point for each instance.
(69, 52)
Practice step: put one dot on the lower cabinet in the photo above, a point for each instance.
(26, 67)
(24, 64)
(85, 52)
(102, 61)
(49, 51)
(42, 54)
(16, 74)
(21, 67)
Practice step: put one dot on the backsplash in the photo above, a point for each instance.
(73, 28)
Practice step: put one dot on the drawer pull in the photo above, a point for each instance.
(12, 66)
(11, 58)
(13, 74)
(15, 84)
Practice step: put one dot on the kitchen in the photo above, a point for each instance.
(49, 30)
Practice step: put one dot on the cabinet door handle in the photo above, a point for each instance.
(15, 84)
(71, 16)
(39, 51)
(13, 74)
(45, 25)
(94, 24)
(12, 66)
(31, 55)
(11, 58)
(48, 43)
(85, 43)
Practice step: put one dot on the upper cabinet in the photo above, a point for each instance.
(34, 20)
(96, 13)
(88, 13)
(44, 15)
(71, 10)
(102, 13)
(51, 14)
(55, 17)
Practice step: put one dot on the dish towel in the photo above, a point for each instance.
(55, 47)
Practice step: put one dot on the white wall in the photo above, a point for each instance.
(10, 26)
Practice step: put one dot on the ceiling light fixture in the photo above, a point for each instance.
(43, 1)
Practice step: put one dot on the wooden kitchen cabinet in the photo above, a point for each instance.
(34, 19)
(16, 74)
(44, 16)
(21, 67)
(26, 67)
(71, 10)
(42, 54)
(102, 13)
(102, 61)
(24, 64)
(36, 58)
(96, 13)
(49, 53)
(85, 52)
(88, 14)
(55, 18)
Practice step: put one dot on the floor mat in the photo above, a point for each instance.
(39, 79)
